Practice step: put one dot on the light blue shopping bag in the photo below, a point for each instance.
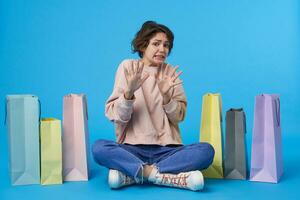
(22, 119)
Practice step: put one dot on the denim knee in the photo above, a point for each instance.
(100, 147)
(210, 152)
(205, 155)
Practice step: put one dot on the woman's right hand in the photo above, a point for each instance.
(134, 79)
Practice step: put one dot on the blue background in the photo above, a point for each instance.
(236, 48)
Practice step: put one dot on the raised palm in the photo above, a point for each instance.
(133, 75)
(168, 79)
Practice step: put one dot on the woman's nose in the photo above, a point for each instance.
(161, 48)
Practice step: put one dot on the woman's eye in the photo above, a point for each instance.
(156, 44)
(167, 45)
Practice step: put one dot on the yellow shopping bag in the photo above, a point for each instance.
(51, 151)
(211, 132)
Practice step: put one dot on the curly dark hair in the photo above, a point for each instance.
(147, 31)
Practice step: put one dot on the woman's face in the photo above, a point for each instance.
(157, 50)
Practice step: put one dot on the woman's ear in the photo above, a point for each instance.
(142, 51)
(144, 47)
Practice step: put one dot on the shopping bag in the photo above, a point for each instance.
(266, 155)
(22, 120)
(235, 162)
(75, 138)
(51, 151)
(211, 132)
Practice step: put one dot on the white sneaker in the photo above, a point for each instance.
(117, 179)
(192, 180)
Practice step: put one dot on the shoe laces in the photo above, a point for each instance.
(178, 180)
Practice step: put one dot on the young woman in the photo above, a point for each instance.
(146, 106)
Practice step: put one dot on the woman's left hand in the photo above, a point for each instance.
(168, 81)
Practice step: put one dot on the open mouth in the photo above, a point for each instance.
(160, 57)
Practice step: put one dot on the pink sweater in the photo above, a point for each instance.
(145, 120)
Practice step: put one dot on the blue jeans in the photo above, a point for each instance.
(174, 159)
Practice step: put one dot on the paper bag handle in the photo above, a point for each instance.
(5, 111)
(277, 104)
(40, 110)
(86, 108)
(220, 107)
(245, 127)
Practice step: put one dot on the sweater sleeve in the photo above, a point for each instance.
(176, 108)
(117, 108)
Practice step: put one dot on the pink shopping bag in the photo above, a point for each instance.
(75, 138)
